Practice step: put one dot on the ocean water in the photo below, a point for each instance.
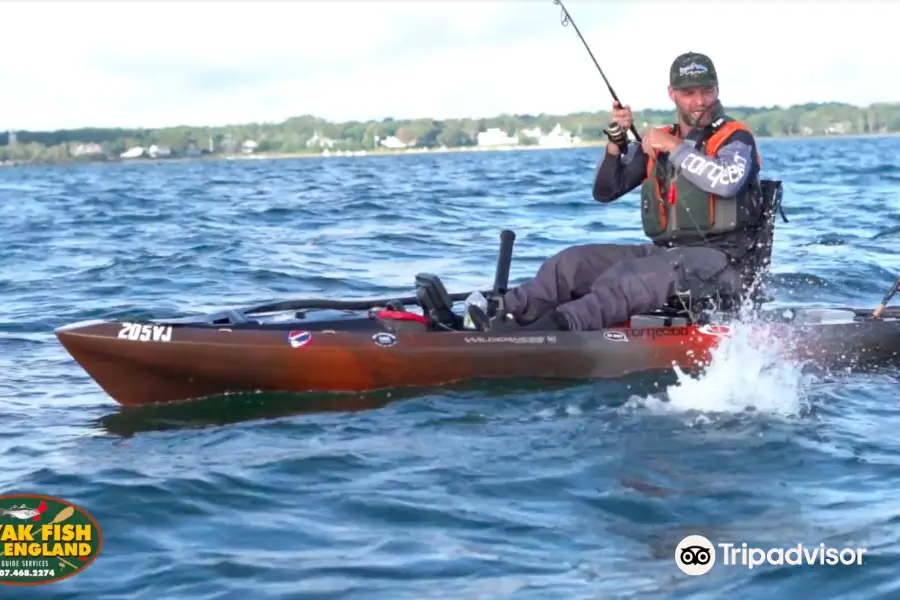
(477, 492)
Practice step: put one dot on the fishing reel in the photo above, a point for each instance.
(617, 136)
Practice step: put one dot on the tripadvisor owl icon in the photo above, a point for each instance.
(44, 539)
(695, 555)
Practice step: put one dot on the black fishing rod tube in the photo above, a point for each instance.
(504, 261)
(567, 18)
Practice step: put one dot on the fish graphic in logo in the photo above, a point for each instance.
(45, 539)
(23, 512)
(693, 70)
(298, 339)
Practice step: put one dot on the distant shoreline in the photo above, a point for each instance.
(400, 152)
(476, 149)
(307, 136)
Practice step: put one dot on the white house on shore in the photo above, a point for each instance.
(558, 138)
(319, 140)
(496, 137)
(393, 142)
(532, 133)
(158, 151)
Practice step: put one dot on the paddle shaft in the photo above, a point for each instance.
(887, 298)
(349, 305)
(567, 18)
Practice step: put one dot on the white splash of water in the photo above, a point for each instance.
(747, 370)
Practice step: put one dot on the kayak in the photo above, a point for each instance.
(312, 345)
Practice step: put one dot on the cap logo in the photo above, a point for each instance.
(692, 70)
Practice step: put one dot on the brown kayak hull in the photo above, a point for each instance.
(153, 363)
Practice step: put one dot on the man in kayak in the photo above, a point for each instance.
(700, 202)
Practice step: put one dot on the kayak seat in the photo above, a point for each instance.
(692, 294)
(702, 296)
(698, 297)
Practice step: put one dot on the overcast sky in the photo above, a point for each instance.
(166, 62)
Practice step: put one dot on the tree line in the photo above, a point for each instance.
(310, 134)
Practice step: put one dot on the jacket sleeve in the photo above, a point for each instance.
(617, 175)
(725, 174)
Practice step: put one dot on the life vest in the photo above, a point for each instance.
(673, 210)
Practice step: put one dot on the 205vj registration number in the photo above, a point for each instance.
(144, 332)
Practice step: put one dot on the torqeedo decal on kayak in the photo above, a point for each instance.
(45, 539)
(145, 332)
(654, 332)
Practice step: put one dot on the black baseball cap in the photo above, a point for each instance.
(692, 69)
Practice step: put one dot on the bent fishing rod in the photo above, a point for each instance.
(566, 19)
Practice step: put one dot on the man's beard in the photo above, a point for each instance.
(713, 112)
(688, 117)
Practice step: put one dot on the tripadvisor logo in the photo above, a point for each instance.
(44, 539)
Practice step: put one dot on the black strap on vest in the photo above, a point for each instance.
(697, 137)
(704, 134)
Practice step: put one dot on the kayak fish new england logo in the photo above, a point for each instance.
(44, 539)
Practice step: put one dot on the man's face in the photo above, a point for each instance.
(693, 101)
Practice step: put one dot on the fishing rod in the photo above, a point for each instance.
(566, 19)
(887, 298)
